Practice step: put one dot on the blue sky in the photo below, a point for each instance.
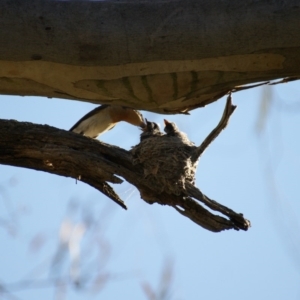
(253, 167)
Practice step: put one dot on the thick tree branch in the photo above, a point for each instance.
(49, 149)
(161, 56)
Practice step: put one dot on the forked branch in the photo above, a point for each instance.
(64, 153)
(229, 109)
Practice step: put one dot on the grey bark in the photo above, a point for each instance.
(163, 56)
(48, 149)
(44, 148)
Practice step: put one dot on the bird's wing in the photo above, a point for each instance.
(104, 118)
(95, 122)
(89, 115)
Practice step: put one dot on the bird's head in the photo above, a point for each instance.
(151, 127)
(132, 116)
(170, 127)
(135, 118)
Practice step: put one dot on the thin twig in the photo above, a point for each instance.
(285, 80)
(107, 190)
(246, 87)
(229, 109)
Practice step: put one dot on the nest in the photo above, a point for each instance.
(167, 161)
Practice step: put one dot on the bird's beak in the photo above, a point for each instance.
(143, 124)
(166, 122)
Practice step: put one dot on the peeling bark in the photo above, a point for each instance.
(160, 56)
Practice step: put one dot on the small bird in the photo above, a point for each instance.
(150, 130)
(172, 130)
(104, 118)
(166, 159)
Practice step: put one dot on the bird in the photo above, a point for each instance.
(104, 118)
(172, 130)
(150, 130)
(166, 157)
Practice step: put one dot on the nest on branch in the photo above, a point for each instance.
(169, 165)
(162, 167)
(167, 161)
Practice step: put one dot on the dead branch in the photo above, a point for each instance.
(235, 218)
(64, 153)
(229, 109)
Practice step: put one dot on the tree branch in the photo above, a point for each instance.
(229, 109)
(150, 55)
(64, 153)
(44, 148)
(236, 219)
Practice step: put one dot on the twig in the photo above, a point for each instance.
(246, 87)
(285, 80)
(107, 190)
(191, 209)
(201, 216)
(229, 109)
(236, 218)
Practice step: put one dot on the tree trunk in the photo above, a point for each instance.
(162, 56)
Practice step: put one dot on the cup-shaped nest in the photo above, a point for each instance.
(167, 160)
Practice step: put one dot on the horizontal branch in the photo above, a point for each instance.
(161, 56)
(45, 148)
